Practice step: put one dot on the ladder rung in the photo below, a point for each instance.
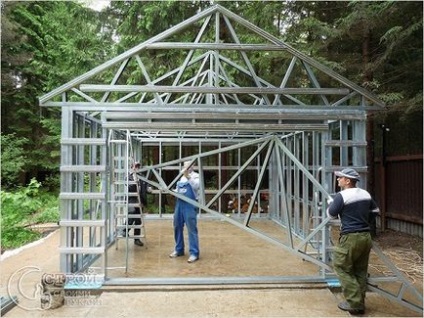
(124, 204)
(123, 227)
(130, 205)
(131, 237)
(130, 216)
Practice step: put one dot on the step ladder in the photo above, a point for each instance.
(123, 216)
(121, 159)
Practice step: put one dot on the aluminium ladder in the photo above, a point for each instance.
(121, 152)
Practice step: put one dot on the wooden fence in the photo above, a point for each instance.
(398, 188)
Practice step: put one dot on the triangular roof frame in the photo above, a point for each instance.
(212, 100)
(196, 95)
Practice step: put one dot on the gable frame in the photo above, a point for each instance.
(216, 113)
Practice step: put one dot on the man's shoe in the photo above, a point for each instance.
(192, 259)
(174, 254)
(344, 305)
(138, 242)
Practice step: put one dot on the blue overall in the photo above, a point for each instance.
(186, 213)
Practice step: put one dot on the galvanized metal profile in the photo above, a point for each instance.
(214, 280)
(214, 126)
(82, 223)
(82, 168)
(83, 141)
(232, 115)
(82, 250)
(214, 46)
(82, 196)
(360, 169)
(7, 303)
(167, 139)
(115, 106)
(345, 143)
(122, 57)
(302, 56)
(211, 90)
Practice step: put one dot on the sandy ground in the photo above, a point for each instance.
(21, 271)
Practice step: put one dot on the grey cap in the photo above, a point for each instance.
(348, 173)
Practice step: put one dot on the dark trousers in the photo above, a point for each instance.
(133, 219)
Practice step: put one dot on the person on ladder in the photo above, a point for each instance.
(134, 199)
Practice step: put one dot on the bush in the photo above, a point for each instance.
(23, 207)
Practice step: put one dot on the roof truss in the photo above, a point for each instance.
(219, 80)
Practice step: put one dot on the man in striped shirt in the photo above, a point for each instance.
(356, 209)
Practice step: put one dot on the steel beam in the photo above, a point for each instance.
(211, 90)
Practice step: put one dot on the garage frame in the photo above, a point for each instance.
(288, 132)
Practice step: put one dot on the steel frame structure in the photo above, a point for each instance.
(293, 129)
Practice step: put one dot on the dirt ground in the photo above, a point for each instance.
(393, 239)
(405, 251)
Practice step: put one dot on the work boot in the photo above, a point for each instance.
(138, 242)
(344, 305)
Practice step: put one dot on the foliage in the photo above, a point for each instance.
(43, 51)
(12, 157)
(377, 44)
(24, 207)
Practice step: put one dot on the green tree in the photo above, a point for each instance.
(378, 45)
(12, 158)
(51, 54)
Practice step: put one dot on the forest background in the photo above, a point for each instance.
(44, 44)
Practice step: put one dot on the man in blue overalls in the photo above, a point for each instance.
(186, 213)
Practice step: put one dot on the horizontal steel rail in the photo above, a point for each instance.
(214, 46)
(211, 90)
(83, 141)
(214, 126)
(232, 115)
(83, 168)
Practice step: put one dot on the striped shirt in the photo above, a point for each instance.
(355, 208)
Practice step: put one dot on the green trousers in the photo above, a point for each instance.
(351, 266)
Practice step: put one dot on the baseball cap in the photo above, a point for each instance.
(348, 173)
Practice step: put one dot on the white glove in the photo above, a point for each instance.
(329, 201)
